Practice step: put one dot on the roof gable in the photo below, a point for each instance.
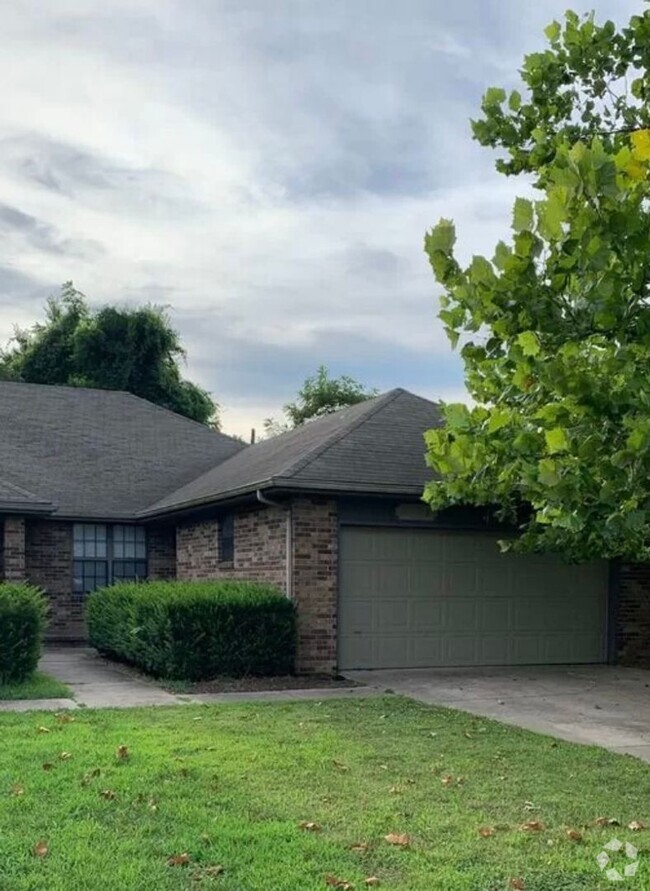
(375, 446)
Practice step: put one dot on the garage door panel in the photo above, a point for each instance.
(461, 615)
(426, 615)
(392, 614)
(425, 598)
(495, 614)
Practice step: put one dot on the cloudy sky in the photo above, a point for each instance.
(265, 167)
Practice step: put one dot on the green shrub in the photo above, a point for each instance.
(195, 630)
(23, 612)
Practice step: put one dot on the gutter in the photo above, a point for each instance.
(262, 499)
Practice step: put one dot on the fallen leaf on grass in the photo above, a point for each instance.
(395, 790)
(335, 882)
(400, 839)
(529, 806)
(108, 794)
(43, 730)
(17, 789)
(636, 826)
(447, 780)
(606, 821)
(532, 826)
(122, 753)
(40, 849)
(360, 848)
(372, 882)
(339, 765)
(516, 884)
(309, 827)
(65, 756)
(90, 775)
(574, 835)
(178, 859)
(487, 831)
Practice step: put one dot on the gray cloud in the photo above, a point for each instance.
(268, 169)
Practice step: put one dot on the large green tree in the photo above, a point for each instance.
(111, 348)
(319, 395)
(554, 329)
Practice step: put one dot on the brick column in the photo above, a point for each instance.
(14, 549)
(633, 631)
(315, 582)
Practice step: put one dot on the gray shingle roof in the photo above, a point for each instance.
(15, 498)
(374, 447)
(98, 453)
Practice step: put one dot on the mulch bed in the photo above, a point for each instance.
(289, 682)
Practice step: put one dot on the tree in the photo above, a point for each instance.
(319, 395)
(135, 350)
(555, 328)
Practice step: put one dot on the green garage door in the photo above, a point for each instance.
(410, 598)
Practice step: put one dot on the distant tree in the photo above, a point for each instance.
(319, 395)
(111, 348)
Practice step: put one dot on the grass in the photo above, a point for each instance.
(39, 686)
(229, 785)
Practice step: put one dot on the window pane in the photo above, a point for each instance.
(88, 575)
(89, 540)
(227, 539)
(100, 541)
(129, 570)
(129, 542)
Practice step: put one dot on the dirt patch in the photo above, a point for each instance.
(246, 685)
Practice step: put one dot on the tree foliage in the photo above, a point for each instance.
(111, 348)
(319, 395)
(555, 327)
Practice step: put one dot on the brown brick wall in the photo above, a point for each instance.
(315, 582)
(260, 548)
(260, 555)
(161, 552)
(49, 565)
(48, 558)
(633, 619)
(13, 549)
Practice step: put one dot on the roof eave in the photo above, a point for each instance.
(283, 484)
(40, 508)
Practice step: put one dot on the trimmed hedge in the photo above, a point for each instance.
(195, 630)
(23, 614)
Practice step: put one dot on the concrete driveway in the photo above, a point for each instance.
(600, 705)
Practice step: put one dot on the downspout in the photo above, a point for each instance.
(289, 538)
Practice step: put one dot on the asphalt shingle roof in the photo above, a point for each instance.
(374, 447)
(15, 498)
(97, 453)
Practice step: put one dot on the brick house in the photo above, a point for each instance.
(97, 486)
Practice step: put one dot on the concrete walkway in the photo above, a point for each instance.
(97, 683)
(601, 705)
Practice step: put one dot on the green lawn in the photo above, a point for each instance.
(39, 686)
(229, 786)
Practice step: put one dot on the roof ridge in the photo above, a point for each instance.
(20, 489)
(379, 403)
(184, 417)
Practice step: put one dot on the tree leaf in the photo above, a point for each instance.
(556, 440)
(529, 343)
(523, 215)
(641, 145)
(553, 31)
(441, 238)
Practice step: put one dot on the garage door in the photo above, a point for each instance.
(411, 598)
